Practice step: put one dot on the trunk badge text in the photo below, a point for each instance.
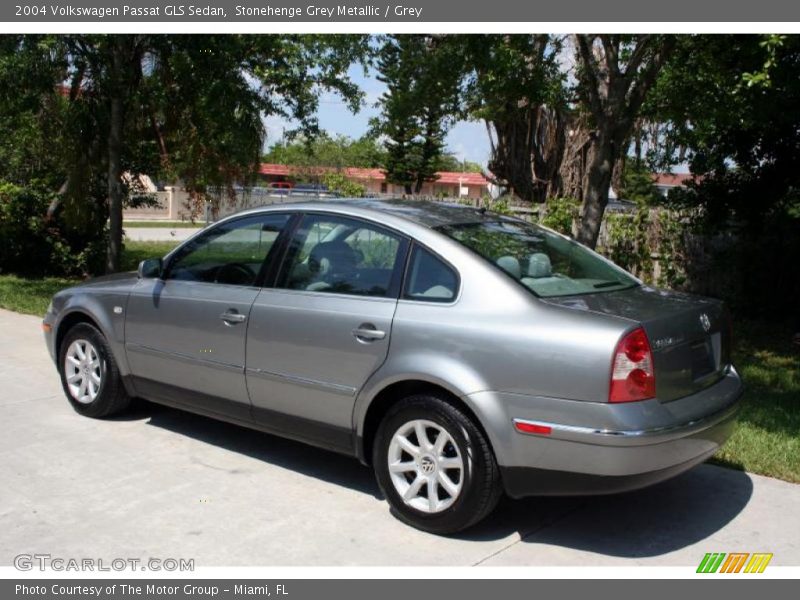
(664, 342)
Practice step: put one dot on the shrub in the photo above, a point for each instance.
(627, 242)
(338, 183)
(559, 214)
(33, 245)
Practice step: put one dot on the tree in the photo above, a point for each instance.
(450, 162)
(30, 114)
(615, 73)
(636, 183)
(183, 107)
(326, 151)
(514, 83)
(733, 103)
(422, 75)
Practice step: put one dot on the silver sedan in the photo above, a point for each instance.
(460, 353)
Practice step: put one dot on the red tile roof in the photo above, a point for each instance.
(445, 177)
(672, 179)
(273, 169)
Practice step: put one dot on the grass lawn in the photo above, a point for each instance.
(164, 224)
(767, 436)
(31, 296)
(136, 252)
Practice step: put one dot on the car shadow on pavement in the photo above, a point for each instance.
(296, 456)
(644, 523)
(650, 522)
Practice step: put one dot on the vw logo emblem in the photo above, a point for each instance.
(428, 465)
(705, 322)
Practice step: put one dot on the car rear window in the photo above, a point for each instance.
(544, 262)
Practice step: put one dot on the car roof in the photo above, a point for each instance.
(422, 212)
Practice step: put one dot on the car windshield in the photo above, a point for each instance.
(545, 262)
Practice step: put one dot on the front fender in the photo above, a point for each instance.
(101, 310)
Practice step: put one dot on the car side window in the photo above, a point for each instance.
(230, 253)
(338, 255)
(429, 278)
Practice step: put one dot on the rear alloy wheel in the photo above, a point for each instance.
(425, 466)
(435, 466)
(89, 374)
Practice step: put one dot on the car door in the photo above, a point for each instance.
(318, 334)
(185, 332)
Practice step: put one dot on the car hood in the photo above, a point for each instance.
(115, 281)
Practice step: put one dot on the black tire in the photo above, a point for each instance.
(111, 397)
(481, 487)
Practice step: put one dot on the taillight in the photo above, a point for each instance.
(632, 374)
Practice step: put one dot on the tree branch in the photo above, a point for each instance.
(648, 76)
(638, 54)
(589, 72)
(611, 50)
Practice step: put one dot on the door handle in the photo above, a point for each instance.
(231, 317)
(366, 332)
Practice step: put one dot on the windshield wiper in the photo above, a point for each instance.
(606, 284)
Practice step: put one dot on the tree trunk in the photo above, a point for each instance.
(115, 190)
(529, 151)
(572, 173)
(595, 194)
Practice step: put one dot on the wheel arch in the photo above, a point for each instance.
(393, 392)
(69, 321)
(90, 311)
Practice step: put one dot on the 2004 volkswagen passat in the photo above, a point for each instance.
(460, 353)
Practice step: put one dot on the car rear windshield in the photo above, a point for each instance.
(545, 262)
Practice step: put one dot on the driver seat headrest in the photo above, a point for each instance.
(332, 257)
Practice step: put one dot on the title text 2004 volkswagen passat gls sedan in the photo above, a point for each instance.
(458, 352)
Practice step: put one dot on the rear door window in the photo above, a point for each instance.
(338, 255)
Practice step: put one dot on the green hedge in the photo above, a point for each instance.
(33, 245)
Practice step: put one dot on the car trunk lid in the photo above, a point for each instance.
(689, 335)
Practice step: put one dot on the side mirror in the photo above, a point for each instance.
(149, 268)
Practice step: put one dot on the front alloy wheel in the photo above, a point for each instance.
(434, 465)
(83, 371)
(89, 373)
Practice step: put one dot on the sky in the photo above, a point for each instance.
(466, 140)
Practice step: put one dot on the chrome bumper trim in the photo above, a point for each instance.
(596, 434)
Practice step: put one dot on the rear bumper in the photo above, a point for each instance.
(596, 448)
(698, 442)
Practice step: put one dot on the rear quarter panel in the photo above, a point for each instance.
(497, 337)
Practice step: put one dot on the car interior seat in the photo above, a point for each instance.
(330, 263)
(510, 265)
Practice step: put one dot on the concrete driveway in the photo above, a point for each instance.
(162, 483)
